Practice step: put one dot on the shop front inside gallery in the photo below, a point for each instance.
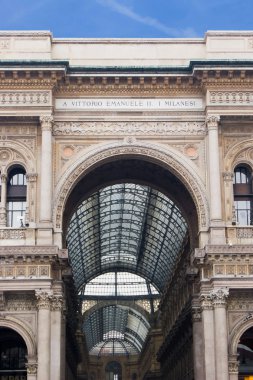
(126, 207)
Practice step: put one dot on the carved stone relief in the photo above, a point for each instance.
(129, 128)
(25, 98)
(20, 302)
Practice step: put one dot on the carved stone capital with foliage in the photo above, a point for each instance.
(46, 123)
(31, 368)
(57, 303)
(219, 297)
(206, 302)
(43, 299)
(212, 122)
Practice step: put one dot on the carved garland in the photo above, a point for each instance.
(168, 158)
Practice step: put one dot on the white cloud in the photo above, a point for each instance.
(146, 20)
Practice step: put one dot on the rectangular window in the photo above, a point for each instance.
(15, 213)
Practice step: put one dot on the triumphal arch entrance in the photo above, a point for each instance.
(126, 208)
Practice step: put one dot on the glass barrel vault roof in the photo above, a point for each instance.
(123, 241)
(129, 228)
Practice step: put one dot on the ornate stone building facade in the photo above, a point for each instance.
(167, 126)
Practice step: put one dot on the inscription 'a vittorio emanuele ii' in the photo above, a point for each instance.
(128, 104)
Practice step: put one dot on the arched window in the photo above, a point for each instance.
(13, 354)
(243, 195)
(16, 197)
(245, 354)
(113, 371)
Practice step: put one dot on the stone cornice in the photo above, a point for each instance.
(32, 253)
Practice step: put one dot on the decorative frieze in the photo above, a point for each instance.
(25, 98)
(128, 128)
(25, 271)
(228, 98)
(244, 233)
(20, 302)
(12, 234)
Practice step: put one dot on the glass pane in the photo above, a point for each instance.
(15, 214)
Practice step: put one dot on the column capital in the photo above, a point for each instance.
(228, 176)
(196, 314)
(212, 121)
(32, 367)
(43, 298)
(57, 303)
(46, 122)
(3, 178)
(31, 177)
(206, 302)
(233, 366)
(219, 297)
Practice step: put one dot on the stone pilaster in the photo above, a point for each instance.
(3, 219)
(56, 323)
(233, 367)
(212, 123)
(46, 169)
(208, 335)
(228, 178)
(197, 343)
(219, 297)
(44, 333)
(31, 179)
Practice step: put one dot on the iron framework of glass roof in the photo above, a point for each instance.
(124, 241)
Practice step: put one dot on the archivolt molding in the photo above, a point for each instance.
(23, 330)
(243, 325)
(239, 153)
(13, 152)
(167, 157)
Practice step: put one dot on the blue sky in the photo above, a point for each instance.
(126, 18)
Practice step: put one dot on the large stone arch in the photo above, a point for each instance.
(168, 158)
(23, 330)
